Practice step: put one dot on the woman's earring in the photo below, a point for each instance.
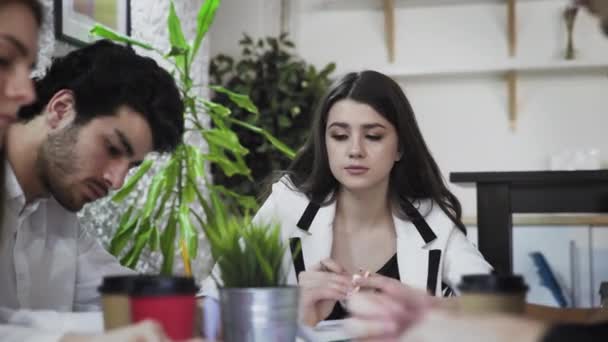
(399, 156)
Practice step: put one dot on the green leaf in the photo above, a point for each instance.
(205, 204)
(199, 164)
(204, 19)
(286, 150)
(263, 263)
(241, 100)
(141, 239)
(167, 245)
(153, 193)
(329, 68)
(248, 202)
(216, 108)
(122, 237)
(104, 32)
(229, 168)
(176, 35)
(284, 121)
(195, 162)
(132, 181)
(160, 210)
(177, 39)
(172, 171)
(274, 141)
(124, 219)
(188, 193)
(154, 239)
(219, 210)
(187, 232)
(247, 254)
(176, 51)
(226, 139)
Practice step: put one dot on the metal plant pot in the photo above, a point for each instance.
(259, 314)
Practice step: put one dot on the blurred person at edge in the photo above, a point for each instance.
(398, 313)
(20, 22)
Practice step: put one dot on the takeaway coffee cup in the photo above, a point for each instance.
(492, 293)
(115, 301)
(168, 300)
(604, 294)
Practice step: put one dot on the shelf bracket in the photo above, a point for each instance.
(512, 27)
(389, 28)
(512, 98)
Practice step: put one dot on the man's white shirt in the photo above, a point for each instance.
(47, 260)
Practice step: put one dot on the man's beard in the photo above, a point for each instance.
(56, 162)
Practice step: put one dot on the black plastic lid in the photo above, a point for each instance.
(493, 283)
(604, 290)
(162, 286)
(119, 284)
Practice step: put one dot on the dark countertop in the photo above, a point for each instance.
(526, 177)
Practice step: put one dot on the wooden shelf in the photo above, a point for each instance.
(551, 220)
(362, 4)
(509, 69)
(494, 69)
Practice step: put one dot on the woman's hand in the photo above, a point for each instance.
(321, 287)
(385, 307)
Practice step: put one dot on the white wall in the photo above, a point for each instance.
(463, 118)
(257, 18)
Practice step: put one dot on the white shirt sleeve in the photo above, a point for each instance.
(93, 263)
(462, 258)
(46, 325)
(49, 320)
(14, 333)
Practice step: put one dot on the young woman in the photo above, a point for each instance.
(365, 195)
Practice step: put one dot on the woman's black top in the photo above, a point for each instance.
(390, 269)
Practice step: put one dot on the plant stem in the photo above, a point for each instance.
(180, 186)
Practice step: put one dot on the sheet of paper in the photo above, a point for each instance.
(325, 331)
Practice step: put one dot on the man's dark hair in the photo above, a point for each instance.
(105, 76)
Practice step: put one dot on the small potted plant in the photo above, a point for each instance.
(255, 302)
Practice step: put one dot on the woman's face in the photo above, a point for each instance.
(18, 48)
(362, 146)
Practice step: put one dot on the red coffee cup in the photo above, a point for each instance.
(168, 300)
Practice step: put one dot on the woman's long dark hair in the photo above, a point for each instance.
(414, 177)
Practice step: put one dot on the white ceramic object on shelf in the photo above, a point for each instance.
(576, 159)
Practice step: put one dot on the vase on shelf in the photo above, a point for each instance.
(570, 17)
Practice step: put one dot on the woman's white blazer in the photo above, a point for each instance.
(432, 253)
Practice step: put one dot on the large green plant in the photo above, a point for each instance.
(285, 89)
(164, 221)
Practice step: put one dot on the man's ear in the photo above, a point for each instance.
(61, 109)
